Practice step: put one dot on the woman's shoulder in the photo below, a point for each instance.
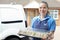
(51, 20)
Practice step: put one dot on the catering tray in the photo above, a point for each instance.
(31, 33)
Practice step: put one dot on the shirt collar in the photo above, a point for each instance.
(46, 17)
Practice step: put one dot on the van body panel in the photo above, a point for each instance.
(12, 19)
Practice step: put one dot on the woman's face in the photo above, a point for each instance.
(43, 9)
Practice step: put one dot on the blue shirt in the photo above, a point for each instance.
(48, 24)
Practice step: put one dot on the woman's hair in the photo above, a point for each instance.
(45, 3)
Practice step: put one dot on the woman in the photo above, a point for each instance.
(44, 22)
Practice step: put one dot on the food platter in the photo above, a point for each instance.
(32, 33)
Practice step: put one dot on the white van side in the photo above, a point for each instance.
(12, 19)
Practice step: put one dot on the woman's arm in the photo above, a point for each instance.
(52, 30)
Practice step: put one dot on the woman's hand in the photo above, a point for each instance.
(50, 35)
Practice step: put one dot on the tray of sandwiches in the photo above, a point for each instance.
(33, 33)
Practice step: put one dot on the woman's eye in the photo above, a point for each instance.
(44, 7)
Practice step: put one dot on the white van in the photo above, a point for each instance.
(12, 19)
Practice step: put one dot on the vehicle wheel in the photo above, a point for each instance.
(12, 38)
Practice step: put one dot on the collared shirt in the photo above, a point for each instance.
(48, 24)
